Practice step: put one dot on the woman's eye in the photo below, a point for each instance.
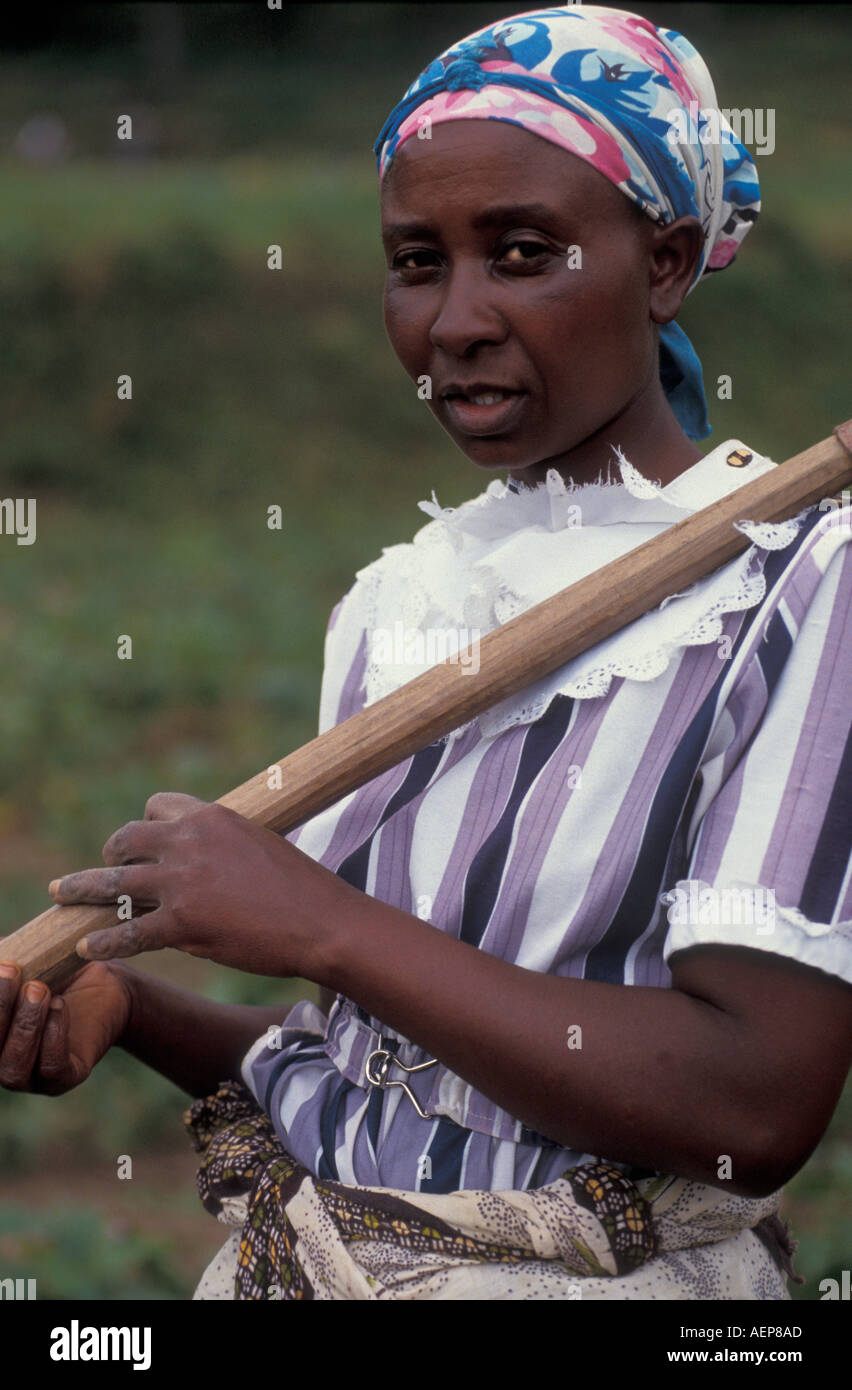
(527, 251)
(408, 260)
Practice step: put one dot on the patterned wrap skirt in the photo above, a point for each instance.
(593, 1234)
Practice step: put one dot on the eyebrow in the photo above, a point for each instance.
(498, 215)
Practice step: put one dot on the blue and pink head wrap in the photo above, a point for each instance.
(630, 99)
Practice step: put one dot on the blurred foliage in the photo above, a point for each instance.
(252, 388)
(77, 1254)
(819, 1201)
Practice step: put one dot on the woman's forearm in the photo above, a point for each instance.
(670, 1079)
(650, 1076)
(194, 1042)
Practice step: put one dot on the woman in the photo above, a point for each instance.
(482, 1108)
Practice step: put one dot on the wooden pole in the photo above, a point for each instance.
(513, 656)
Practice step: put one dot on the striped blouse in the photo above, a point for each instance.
(704, 797)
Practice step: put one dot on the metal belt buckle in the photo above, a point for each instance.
(376, 1068)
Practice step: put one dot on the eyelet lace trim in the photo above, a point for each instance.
(739, 913)
(475, 567)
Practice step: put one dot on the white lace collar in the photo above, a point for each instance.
(474, 567)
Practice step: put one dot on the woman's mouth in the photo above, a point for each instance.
(485, 412)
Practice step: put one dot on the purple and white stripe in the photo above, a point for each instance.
(718, 771)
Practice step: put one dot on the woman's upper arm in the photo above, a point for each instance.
(795, 1025)
(761, 920)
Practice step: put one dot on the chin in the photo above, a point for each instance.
(495, 454)
(491, 465)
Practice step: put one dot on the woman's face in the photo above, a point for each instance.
(485, 289)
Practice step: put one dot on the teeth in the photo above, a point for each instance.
(488, 398)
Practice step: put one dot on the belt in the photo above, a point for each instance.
(376, 1070)
(368, 1058)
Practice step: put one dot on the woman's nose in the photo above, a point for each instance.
(468, 312)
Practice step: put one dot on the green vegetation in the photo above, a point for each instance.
(76, 1254)
(253, 388)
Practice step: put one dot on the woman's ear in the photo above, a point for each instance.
(675, 251)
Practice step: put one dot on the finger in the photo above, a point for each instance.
(55, 1070)
(138, 840)
(172, 805)
(10, 981)
(127, 939)
(24, 1037)
(138, 882)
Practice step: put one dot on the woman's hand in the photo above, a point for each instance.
(51, 1045)
(196, 876)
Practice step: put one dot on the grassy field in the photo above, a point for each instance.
(252, 388)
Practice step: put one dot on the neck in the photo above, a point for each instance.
(648, 435)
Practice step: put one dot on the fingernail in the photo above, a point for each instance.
(53, 885)
(35, 992)
(8, 970)
(97, 946)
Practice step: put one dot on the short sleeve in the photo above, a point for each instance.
(769, 863)
(344, 665)
(344, 661)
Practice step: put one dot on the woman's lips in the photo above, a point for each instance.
(486, 419)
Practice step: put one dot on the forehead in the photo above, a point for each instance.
(475, 159)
